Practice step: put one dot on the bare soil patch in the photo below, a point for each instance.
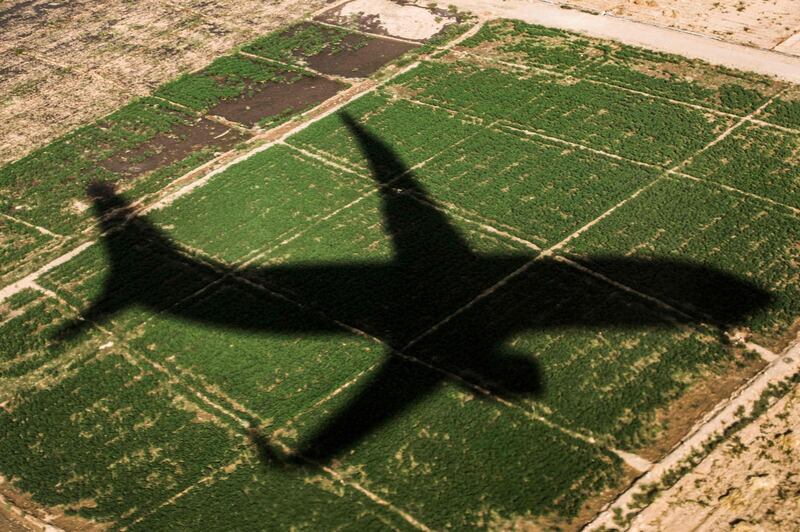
(751, 482)
(393, 18)
(358, 62)
(277, 100)
(167, 148)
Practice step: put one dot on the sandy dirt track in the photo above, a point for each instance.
(751, 482)
(768, 24)
(66, 63)
(661, 39)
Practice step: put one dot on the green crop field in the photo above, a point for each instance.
(462, 300)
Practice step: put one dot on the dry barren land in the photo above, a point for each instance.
(66, 63)
(769, 24)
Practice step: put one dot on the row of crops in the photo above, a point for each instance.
(656, 73)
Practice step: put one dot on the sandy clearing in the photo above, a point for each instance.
(765, 24)
(661, 39)
(752, 482)
(724, 415)
(404, 21)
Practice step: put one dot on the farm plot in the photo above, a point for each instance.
(30, 354)
(415, 134)
(250, 495)
(329, 50)
(660, 74)
(727, 231)
(47, 188)
(537, 190)
(760, 160)
(785, 109)
(249, 91)
(628, 124)
(431, 459)
(124, 438)
(360, 320)
(602, 354)
(258, 203)
(18, 241)
(393, 287)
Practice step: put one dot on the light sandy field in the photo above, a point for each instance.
(769, 24)
(63, 64)
(752, 482)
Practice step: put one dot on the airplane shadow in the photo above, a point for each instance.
(433, 271)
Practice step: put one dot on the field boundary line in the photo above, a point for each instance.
(41, 524)
(207, 479)
(38, 228)
(546, 253)
(29, 280)
(729, 188)
(366, 33)
(505, 124)
(713, 424)
(728, 131)
(606, 83)
(294, 67)
(134, 354)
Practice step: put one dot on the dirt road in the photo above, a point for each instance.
(714, 51)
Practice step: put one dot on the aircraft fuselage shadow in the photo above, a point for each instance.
(433, 273)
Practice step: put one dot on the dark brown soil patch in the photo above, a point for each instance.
(358, 61)
(276, 100)
(167, 148)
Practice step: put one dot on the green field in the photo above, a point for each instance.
(450, 304)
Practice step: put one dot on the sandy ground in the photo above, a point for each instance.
(766, 24)
(662, 39)
(66, 63)
(750, 483)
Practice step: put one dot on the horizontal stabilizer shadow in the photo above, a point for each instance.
(398, 299)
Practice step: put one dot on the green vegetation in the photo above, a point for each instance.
(228, 77)
(639, 367)
(303, 40)
(755, 159)
(534, 189)
(414, 133)
(276, 192)
(111, 440)
(49, 183)
(252, 497)
(432, 460)
(784, 111)
(17, 242)
(658, 73)
(708, 225)
(541, 136)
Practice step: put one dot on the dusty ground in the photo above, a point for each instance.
(766, 24)
(66, 63)
(751, 482)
